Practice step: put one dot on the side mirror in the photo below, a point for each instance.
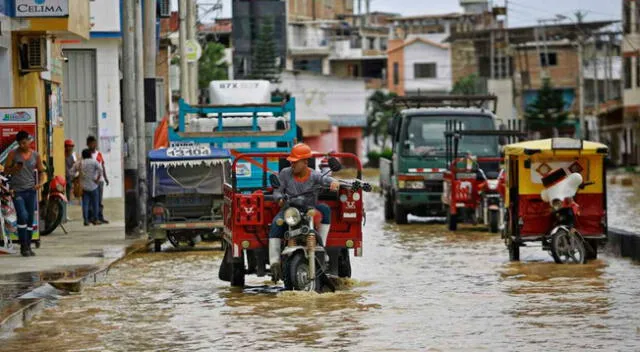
(334, 164)
(275, 181)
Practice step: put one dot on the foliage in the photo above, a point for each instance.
(379, 114)
(466, 85)
(211, 66)
(264, 58)
(548, 108)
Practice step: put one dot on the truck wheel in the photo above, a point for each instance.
(388, 208)
(224, 273)
(399, 214)
(344, 263)
(592, 253)
(452, 221)
(494, 221)
(237, 272)
(514, 251)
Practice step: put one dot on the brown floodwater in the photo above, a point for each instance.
(417, 288)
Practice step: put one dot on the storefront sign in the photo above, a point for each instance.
(12, 121)
(42, 8)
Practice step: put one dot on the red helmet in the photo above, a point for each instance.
(69, 143)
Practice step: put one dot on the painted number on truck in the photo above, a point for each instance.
(180, 151)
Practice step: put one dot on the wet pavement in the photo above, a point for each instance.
(417, 288)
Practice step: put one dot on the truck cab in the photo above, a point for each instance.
(412, 181)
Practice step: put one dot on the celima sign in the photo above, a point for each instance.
(42, 8)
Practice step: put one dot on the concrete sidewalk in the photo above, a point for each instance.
(82, 246)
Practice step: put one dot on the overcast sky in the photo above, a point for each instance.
(521, 12)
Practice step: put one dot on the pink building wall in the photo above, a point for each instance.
(334, 140)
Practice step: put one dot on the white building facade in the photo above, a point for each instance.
(92, 90)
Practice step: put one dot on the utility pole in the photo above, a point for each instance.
(131, 205)
(140, 127)
(581, 85)
(192, 66)
(184, 74)
(596, 92)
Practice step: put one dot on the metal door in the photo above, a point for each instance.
(80, 99)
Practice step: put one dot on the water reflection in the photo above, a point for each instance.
(417, 288)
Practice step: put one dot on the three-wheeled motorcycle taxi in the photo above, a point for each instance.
(249, 212)
(185, 192)
(473, 185)
(556, 194)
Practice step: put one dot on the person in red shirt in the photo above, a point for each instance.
(92, 145)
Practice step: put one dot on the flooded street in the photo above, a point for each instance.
(417, 288)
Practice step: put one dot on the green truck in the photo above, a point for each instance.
(412, 181)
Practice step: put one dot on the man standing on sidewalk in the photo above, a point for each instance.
(70, 160)
(27, 178)
(92, 145)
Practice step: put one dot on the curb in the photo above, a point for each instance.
(17, 313)
(624, 244)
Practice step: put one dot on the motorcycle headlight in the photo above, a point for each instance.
(292, 216)
(492, 184)
(556, 204)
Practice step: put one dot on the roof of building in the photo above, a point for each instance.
(422, 40)
(425, 17)
(520, 35)
(348, 120)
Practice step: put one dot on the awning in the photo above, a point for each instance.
(349, 120)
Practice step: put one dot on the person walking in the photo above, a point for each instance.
(90, 175)
(92, 145)
(70, 160)
(22, 164)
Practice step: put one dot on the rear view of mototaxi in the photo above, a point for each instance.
(299, 180)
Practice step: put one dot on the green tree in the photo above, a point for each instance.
(467, 85)
(547, 111)
(211, 66)
(264, 54)
(380, 111)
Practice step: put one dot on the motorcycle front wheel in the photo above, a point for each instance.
(296, 274)
(51, 213)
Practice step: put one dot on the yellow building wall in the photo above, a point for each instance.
(30, 92)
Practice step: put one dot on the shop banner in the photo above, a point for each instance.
(12, 121)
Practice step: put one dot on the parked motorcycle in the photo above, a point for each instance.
(491, 207)
(8, 218)
(54, 200)
(304, 261)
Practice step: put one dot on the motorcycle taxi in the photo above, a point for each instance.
(555, 193)
(248, 214)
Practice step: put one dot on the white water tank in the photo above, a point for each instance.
(475, 6)
(239, 92)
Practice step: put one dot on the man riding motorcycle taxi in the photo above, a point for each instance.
(298, 179)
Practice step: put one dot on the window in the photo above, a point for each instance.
(312, 65)
(627, 73)
(637, 71)
(383, 44)
(553, 59)
(425, 70)
(396, 73)
(626, 17)
(371, 43)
